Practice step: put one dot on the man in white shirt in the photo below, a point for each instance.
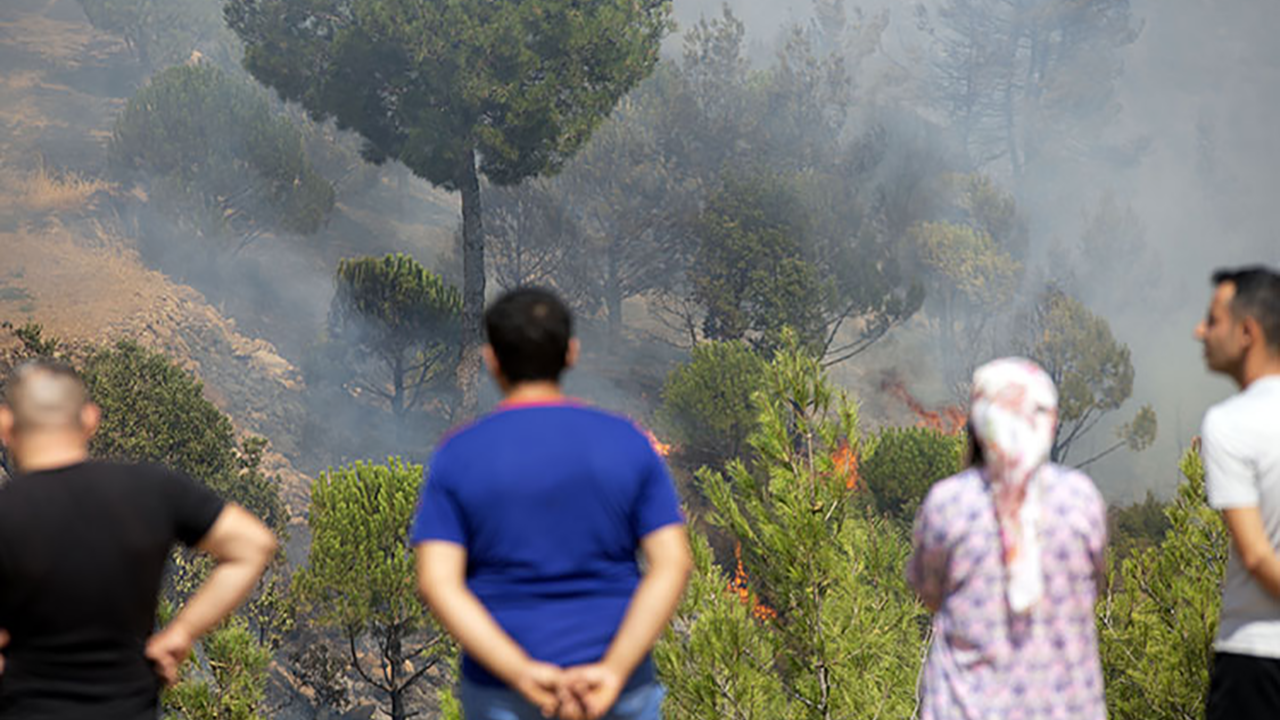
(1240, 443)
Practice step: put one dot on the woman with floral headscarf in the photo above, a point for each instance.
(1009, 557)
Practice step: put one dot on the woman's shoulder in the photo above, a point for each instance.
(1072, 482)
(955, 489)
(1072, 493)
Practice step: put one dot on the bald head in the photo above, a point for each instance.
(46, 395)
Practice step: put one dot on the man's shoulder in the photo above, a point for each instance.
(1226, 410)
(578, 418)
(1239, 425)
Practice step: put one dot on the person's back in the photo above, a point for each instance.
(551, 502)
(1009, 556)
(528, 532)
(82, 551)
(994, 663)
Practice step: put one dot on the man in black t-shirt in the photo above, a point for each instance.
(83, 546)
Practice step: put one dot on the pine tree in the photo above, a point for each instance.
(359, 578)
(831, 629)
(1160, 617)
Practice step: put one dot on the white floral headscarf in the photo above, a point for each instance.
(1014, 414)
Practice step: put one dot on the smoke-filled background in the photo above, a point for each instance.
(1193, 101)
(900, 190)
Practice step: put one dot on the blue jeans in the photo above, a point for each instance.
(638, 701)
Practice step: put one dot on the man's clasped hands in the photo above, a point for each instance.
(586, 692)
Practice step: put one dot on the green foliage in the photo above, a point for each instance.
(899, 465)
(1160, 617)
(750, 272)
(450, 705)
(971, 262)
(845, 641)
(154, 411)
(706, 403)
(967, 264)
(1139, 433)
(163, 32)
(403, 316)
(359, 576)
(1137, 526)
(716, 658)
(526, 83)
(228, 679)
(34, 343)
(1092, 370)
(990, 210)
(455, 89)
(219, 153)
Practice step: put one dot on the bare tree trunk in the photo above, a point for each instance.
(395, 656)
(1010, 100)
(397, 382)
(613, 298)
(472, 289)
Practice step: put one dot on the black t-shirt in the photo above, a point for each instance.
(82, 552)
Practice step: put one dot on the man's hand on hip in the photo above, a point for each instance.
(4, 642)
(168, 649)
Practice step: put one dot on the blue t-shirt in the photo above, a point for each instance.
(551, 502)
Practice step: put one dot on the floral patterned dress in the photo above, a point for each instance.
(987, 663)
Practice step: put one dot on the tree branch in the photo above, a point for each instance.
(355, 661)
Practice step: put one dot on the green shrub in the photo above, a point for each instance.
(899, 466)
(706, 402)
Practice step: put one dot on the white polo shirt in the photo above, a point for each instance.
(1240, 443)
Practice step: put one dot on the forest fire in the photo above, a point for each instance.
(846, 462)
(948, 420)
(740, 586)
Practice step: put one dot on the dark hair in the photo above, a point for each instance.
(976, 458)
(1257, 296)
(529, 329)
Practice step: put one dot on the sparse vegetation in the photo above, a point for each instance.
(44, 190)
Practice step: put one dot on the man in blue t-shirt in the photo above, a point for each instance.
(528, 533)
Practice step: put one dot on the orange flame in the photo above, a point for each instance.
(846, 462)
(663, 449)
(949, 420)
(740, 586)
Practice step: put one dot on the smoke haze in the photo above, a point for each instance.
(1197, 98)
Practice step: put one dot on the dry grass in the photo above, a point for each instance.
(45, 191)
